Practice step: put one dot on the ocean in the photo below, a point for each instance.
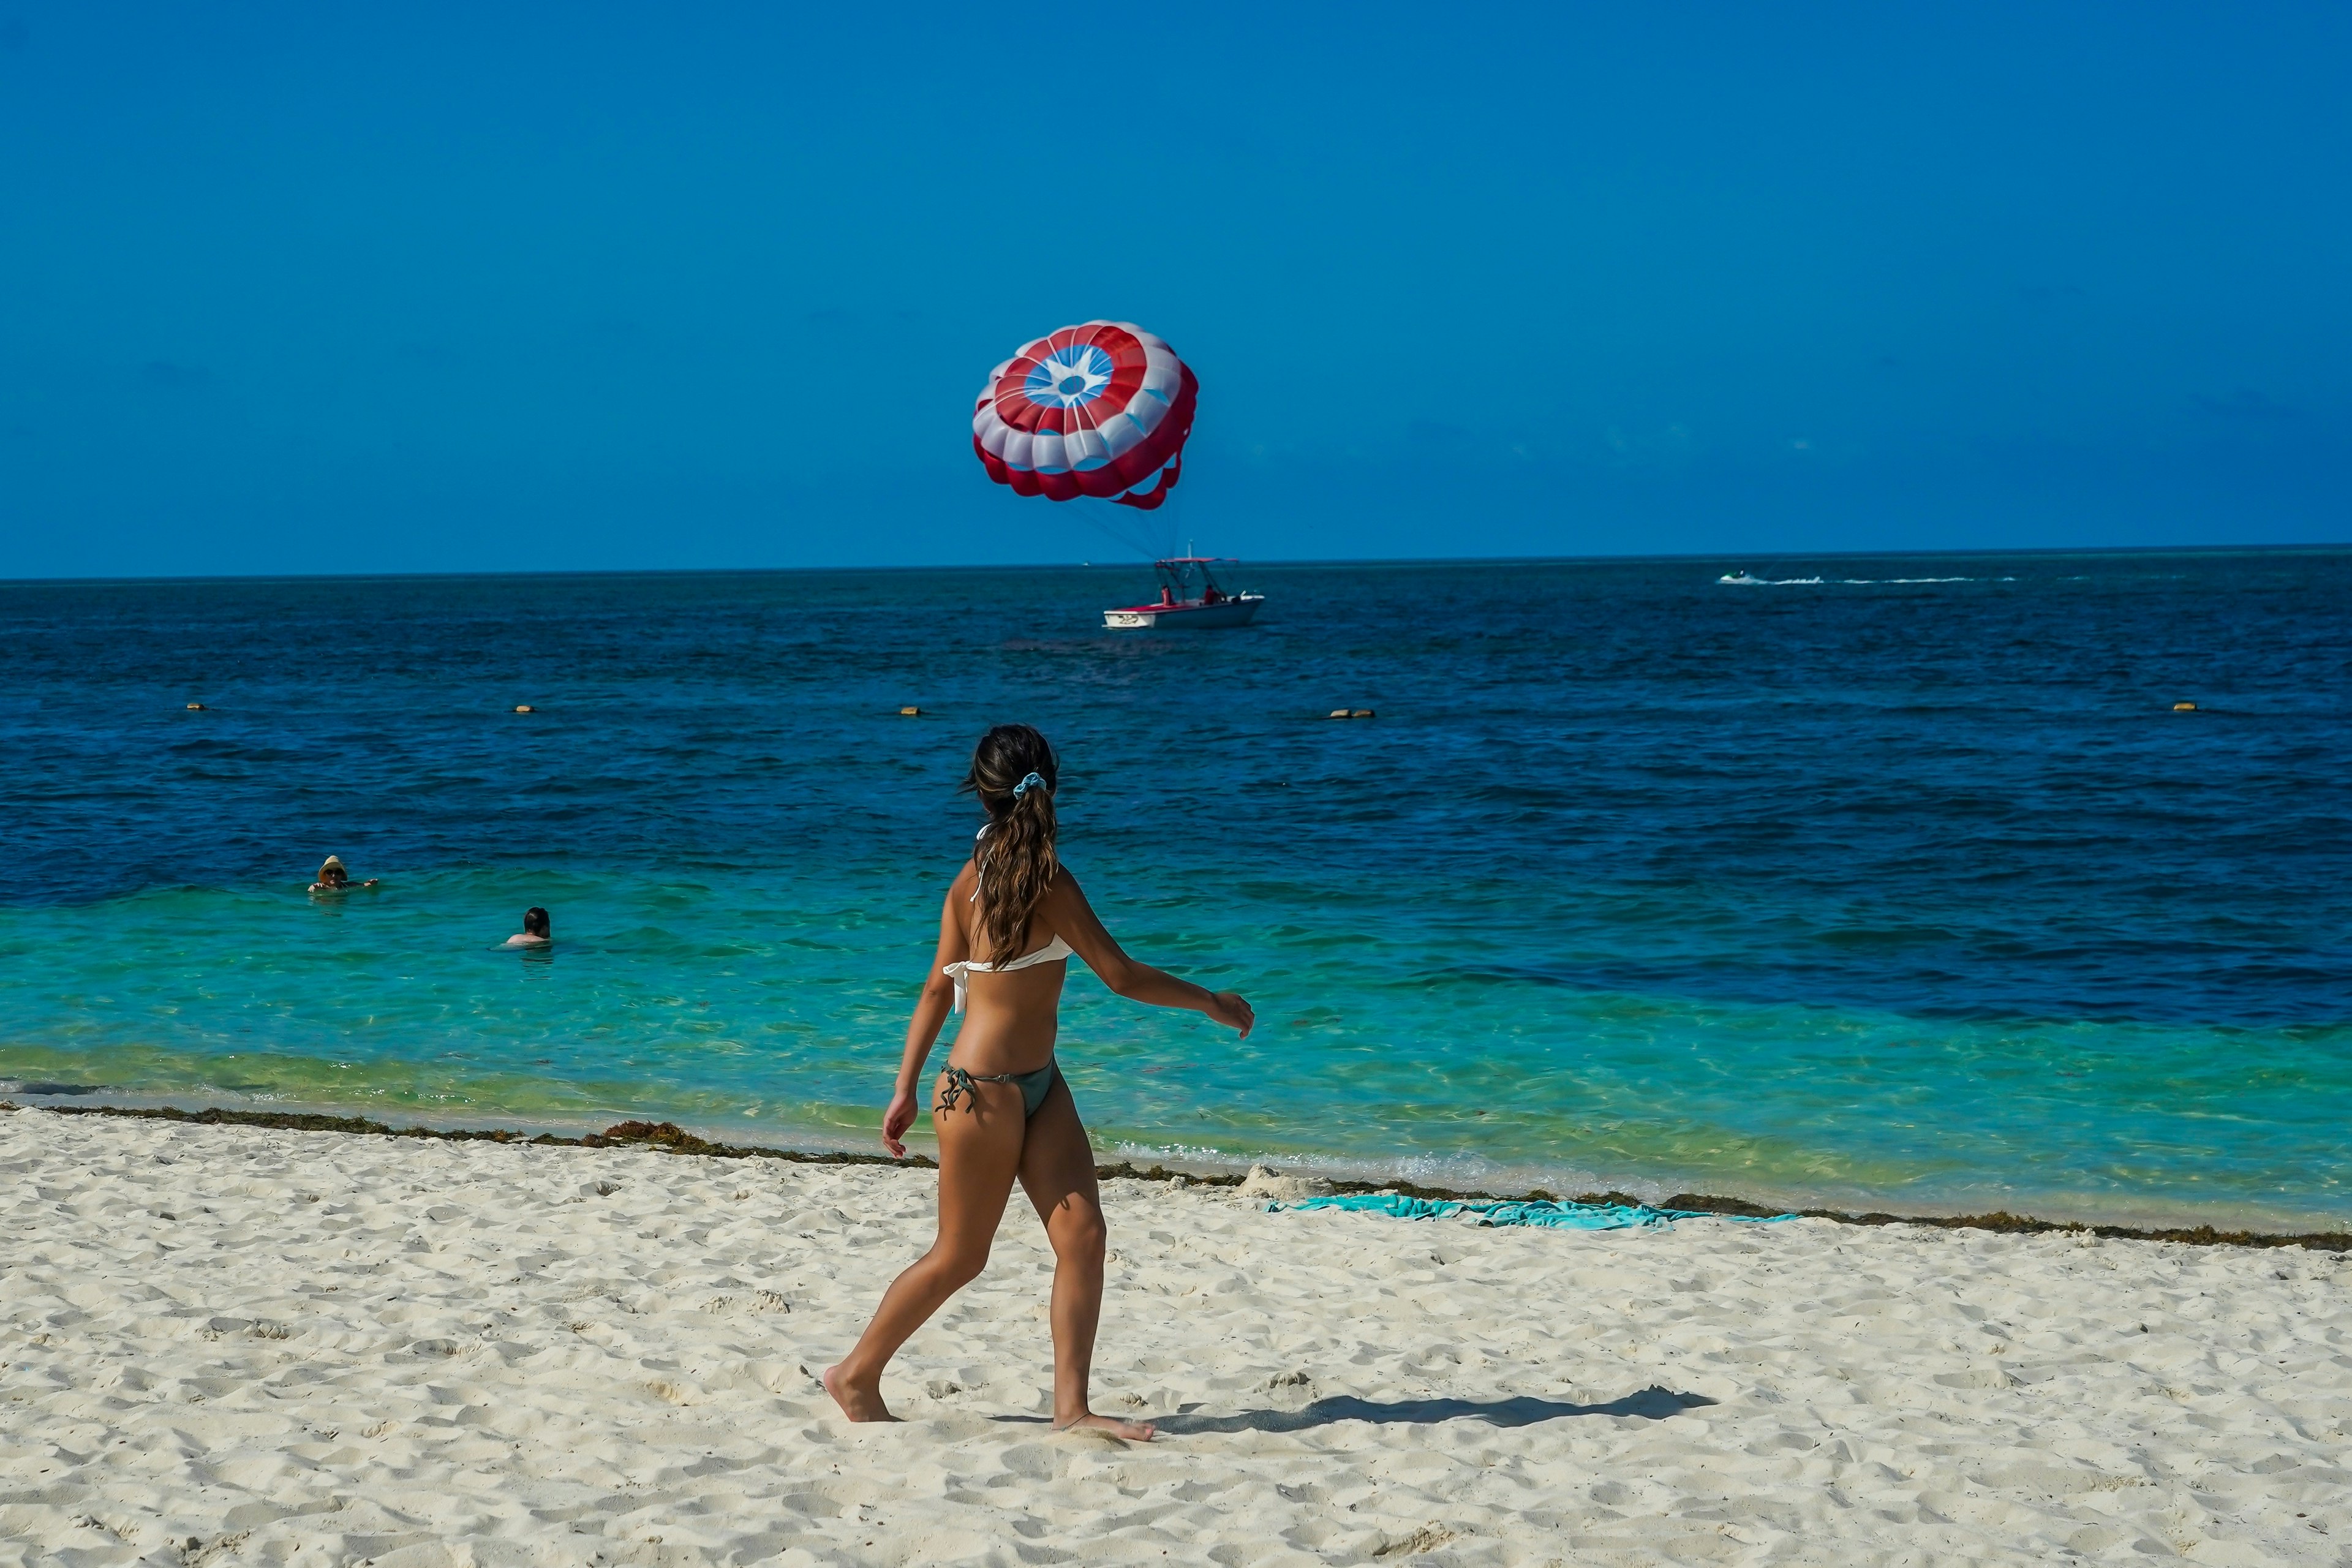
(1891, 882)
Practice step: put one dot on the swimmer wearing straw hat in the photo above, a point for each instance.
(333, 878)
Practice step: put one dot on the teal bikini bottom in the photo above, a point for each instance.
(1034, 1086)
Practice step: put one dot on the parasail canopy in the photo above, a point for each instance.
(1099, 409)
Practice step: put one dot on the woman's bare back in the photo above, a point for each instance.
(1011, 1019)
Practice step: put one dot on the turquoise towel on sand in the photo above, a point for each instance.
(1555, 1216)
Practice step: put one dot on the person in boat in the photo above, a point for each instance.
(1012, 919)
(1167, 594)
(334, 879)
(534, 933)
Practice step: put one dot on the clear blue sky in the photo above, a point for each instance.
(294, 288)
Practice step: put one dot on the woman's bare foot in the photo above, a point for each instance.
(857, 1403)
(1133, 1431)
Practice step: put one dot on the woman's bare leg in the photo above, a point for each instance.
(1057, 1171)
(979, 1153)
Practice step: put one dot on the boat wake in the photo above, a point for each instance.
(1744, 580)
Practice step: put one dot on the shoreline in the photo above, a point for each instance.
(666, 1137)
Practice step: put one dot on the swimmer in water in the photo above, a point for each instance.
(534, 929)
(333, 878)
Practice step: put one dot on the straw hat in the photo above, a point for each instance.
(334, 863)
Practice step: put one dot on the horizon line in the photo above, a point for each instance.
(2056, 552)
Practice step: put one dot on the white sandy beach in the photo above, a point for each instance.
(227, 1345)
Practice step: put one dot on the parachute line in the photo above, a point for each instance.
(1126, 529)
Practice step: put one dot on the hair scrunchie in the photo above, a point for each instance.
(1035, 781)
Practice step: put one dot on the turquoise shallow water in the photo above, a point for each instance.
(1903, 893)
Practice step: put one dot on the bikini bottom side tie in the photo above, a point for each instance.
(964, 1085)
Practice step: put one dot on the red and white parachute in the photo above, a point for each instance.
(1092, 410)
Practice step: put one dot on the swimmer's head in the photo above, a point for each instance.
(332, 870)
(534, 921)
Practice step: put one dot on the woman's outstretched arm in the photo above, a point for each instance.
(1073, 920)
(931, 1009)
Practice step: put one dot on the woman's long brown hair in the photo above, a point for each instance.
(1015, 855)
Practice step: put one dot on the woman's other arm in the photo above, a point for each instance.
(932, 1010)
(1073, 920)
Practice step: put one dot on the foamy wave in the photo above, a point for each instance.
(1457, 1172)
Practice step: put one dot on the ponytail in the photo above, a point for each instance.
(1014, 774)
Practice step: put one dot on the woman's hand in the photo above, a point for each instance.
(895, 1120)
(1228, 1008)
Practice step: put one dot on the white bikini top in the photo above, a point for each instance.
(1053, 952)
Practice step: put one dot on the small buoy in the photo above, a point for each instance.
(522, 707)
(195, 706)
(2184, 708)
(1361, 713)
(910, 712)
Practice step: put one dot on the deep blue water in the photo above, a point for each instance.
(1912, 892)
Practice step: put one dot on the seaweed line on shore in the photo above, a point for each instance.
(667, 1137)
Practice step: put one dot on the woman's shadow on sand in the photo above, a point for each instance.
(1652, 1404)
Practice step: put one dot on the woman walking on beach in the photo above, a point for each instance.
(1012, 917)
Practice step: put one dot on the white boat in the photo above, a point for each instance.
(1191, 599)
